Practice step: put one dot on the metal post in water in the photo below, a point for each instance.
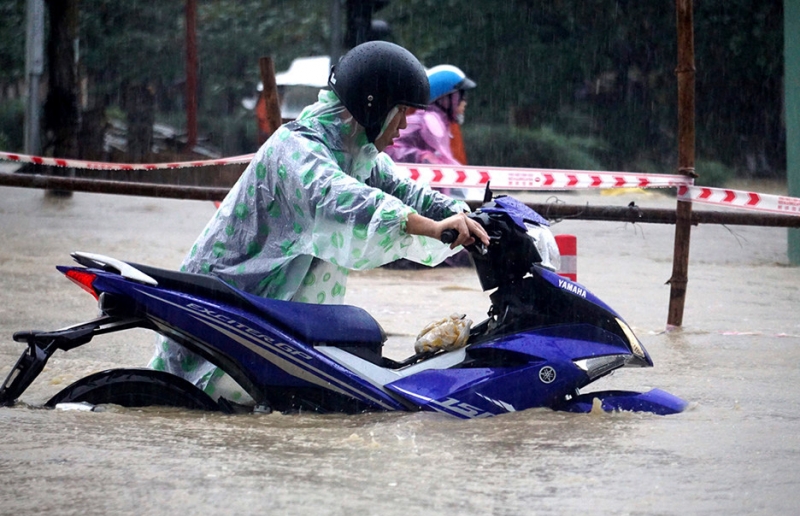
(191, 74)
(34, 67)
(791, 63)
(686, 140)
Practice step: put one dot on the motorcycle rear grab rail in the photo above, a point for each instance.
(42, 345)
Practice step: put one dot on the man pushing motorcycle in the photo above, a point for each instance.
(320, 198)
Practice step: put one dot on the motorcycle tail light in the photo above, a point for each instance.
(84, 280)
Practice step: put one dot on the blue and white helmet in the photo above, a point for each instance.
(445, 79)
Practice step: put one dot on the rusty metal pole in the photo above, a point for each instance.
(191, 74)
(686, 142)
(270, 93)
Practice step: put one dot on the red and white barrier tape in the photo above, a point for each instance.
(502, 178)
(98, 165)
(740, 199)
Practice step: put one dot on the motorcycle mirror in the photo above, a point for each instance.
(487, 194)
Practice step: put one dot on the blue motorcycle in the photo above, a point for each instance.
(545, 339)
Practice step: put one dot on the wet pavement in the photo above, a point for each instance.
(735, 451)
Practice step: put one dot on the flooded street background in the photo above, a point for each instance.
(737, 360)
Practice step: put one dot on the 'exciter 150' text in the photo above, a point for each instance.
(246, 329)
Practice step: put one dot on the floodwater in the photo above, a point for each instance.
(736, 360)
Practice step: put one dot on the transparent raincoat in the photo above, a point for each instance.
(316, 201)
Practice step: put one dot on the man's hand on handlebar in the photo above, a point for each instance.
(465, 230)
(468, 231)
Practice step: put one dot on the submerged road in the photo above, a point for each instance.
(735, 451)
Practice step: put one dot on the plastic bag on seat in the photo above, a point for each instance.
(445, 334)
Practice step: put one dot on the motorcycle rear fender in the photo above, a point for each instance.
(137, 387)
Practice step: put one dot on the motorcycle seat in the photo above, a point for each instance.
(329, 325)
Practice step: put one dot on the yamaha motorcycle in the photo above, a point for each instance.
(545, 339)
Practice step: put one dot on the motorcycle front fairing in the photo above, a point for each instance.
(542, 367)
(483, 387)
(546, 338)
(598, 359)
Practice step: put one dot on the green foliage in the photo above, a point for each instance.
(234, 34)
(12, 40)
(543, 54)
(232, 134)
(127, 43)
(713, 173)
(613, 63)
(739, 44)
(131, 43)
(499, 145)
(12, 121)
(602, 69)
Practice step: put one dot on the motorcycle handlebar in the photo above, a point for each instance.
(448, 236)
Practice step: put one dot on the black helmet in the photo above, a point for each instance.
(373, 78)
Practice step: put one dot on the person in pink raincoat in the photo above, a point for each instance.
(427, 138)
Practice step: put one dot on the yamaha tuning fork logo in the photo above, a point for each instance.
(547, 374)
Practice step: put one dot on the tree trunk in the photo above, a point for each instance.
(139, 104)
(92, 134)
(61, 112)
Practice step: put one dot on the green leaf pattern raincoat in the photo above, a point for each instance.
(316, 201)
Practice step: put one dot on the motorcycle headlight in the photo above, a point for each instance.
(546, 245)
(633, 342)
(600, 366)
(596, 367)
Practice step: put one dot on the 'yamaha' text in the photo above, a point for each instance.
(575, 289)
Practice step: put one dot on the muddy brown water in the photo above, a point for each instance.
(736, 360)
